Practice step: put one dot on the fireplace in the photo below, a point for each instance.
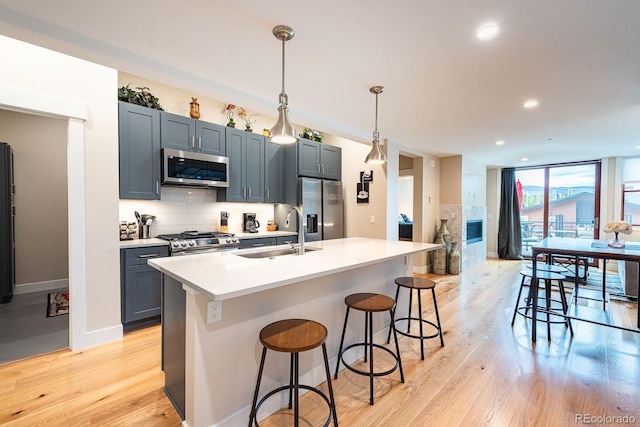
(474, 231)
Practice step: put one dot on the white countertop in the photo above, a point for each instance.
(224, 275)
(141, 243)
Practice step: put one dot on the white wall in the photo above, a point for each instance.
(36, 79)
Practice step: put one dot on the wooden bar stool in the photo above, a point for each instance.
(369, 303)
(548, 277)
(294, 336)
(418, 284)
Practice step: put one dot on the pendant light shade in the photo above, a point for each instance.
(376, 156)
(283, 131)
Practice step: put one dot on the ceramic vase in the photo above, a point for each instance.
(440, 256)
(194, 110)
(616, 242)
(454, 259)
(446, 236)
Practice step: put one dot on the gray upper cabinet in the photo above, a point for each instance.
(139, 151)
(187, 134)
(331, 162)
(316, 160)
(273, 172)
(246, 167)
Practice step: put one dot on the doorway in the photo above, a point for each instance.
(42, 251)
(559, 201)
(406, 212)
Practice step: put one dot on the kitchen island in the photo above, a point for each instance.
(222, 358)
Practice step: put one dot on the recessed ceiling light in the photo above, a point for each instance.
(500, 142)
(487, 31)
(524, 159)
(530, 103)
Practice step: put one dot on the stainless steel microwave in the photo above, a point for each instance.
(194, 169)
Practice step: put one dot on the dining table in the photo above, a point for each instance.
(580, 249)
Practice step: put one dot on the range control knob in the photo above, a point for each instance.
(175, 244)
(183, 244)
(192, 242)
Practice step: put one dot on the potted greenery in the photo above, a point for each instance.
(312, 134)
(142, 96)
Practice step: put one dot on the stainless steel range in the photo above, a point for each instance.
(192, 242)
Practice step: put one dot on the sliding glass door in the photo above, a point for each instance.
(559, 201)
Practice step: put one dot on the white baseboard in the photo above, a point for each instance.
(421, 269)
(26, 288)
(492, 254)
(100, 336)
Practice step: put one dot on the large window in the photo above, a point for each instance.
(559, 201)
(631, 190)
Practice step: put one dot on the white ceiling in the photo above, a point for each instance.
(446, 92)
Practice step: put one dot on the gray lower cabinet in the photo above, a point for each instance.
(139, 151)
(187, 134)
(140, 286)
(246, 167)
(257, 242)
(283, 240)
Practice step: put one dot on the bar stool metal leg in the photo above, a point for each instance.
(252, 416)
(435, 306)
(420, 321)
(344, 330)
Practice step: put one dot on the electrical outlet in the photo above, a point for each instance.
(214, 311)
(372, 220)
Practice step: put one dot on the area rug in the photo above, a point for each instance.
(594, 279)
(57, 303)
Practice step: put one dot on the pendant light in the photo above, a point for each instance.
(283, 131)
(376, 156)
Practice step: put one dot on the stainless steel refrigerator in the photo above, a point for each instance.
(7, 223)
(322, 209)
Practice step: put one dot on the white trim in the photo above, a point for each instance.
(27, 288)
(26, 101)
(77, 237)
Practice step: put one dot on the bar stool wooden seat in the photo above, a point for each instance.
(547, 277)
(418, 284)
(294, 336)
(369, 303)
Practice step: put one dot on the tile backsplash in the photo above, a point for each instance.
(184, 209)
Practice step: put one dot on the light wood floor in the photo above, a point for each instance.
(488, 373)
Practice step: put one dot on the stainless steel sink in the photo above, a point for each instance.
(274, 252)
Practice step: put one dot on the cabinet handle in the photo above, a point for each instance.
(255, 245)
(322, 168)
(249, 192)
(199, 143)
(193, 142)
(267, 193)
(148, 256)
(157, 187)
(318, 167)
(244, 192)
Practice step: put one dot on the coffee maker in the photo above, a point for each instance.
(249, 223)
